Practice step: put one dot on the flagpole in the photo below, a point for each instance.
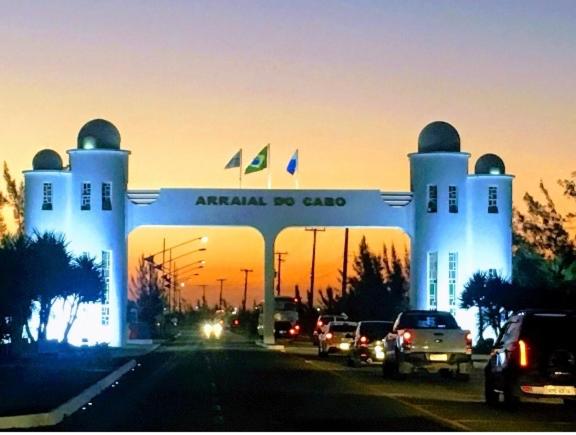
(268, 167)
(297, 179)
(240, 175)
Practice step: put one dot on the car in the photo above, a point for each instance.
(367, 344)
(286, 318)
(534, 356)
(427, 341)
(213, 329)
(321, 323)
(336, 337)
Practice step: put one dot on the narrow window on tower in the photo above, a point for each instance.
(492, 199)
(47, 196)
(432, 198)
(452, 199)
(432, 280)
(85, 200)
(105, 314)
(106, 196)
(452, 274)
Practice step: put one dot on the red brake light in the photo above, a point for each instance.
(292, 331)
(363, 339)
(329, 336)
(319, 322)
(236, 321)
(469, 338)
(407, 336)
(523, 353)
(297, 327)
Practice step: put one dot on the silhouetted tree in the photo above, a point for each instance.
(49, 268)
(86, 285)
(15, 286)
(14, 198)
(368, 297)
(149, 294)
(542, 228)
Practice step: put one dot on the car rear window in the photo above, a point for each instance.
(550, 330)
(342, 328)
(376, 329)
(428, 321)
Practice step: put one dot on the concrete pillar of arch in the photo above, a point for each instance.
(269, 240)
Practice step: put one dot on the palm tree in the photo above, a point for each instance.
(49, 267)
(86, 285)
(474, 296)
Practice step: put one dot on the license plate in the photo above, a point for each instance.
(344, 346)
(559, 390)
(438, 357)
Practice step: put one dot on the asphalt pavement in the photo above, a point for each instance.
(233, 385)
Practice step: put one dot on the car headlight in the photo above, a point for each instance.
(217, 329)
(207, 329)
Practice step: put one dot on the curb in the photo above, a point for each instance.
(55, 416)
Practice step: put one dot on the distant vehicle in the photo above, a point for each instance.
(321, 323)
(367, 346)
(212, 329)
(336, 337)
(534, 356)
(428, 341)
(286, 319)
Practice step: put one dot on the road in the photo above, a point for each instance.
(234, 385)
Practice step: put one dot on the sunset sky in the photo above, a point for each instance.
(348, 83)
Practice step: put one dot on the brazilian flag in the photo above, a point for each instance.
(259, 162)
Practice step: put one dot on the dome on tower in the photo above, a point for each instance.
(99, 134)
(489, 164)
(47, 160)
(438, 136)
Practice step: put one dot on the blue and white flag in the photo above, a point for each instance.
(235, 161)
(293, 163)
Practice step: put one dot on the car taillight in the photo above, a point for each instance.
(363, 339)
(319, 323)
(523, 353)
(292, 331)
(469, 343)
(236, 321)
(297, 327)
(406, 340)
(329, 336)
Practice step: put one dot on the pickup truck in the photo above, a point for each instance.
(428, 341)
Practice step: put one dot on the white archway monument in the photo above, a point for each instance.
(458, 222)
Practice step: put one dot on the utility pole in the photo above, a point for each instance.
(345, 263)
(203, 292)
(280, 261)
(314, 230)
(246, 272)
(221, 289)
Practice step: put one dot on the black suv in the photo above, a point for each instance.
(534, 356)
